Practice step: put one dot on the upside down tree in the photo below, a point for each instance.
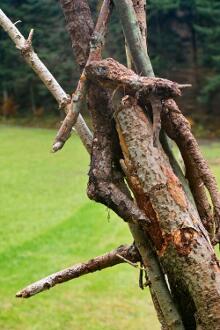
(174, 217)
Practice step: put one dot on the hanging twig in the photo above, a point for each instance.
(43, 73)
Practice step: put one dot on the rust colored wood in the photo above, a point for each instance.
(182, 243)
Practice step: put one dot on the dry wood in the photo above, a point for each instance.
(111, 74)
(109, 259)
(77, 13)
(182, 243)
(178, 128)
(78, 99)
(43, 73)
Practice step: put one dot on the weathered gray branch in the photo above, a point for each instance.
(32, 59)
(109, 259)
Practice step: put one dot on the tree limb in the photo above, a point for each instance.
(111, 74)
(78, 99)
(107, 260)
(77, 13)
(43, 73)
(178, 129)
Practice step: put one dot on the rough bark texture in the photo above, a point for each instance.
(79, 97)
(45, 76)
(140, 10)
(177, 127)
(181, 241)
(111, 74)
(77, 13)
(109, 259)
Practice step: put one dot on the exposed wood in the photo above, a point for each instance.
(43, 73)
(109, 259)
(111, 74)
(182, 243)
(77, 13)
(140, 11)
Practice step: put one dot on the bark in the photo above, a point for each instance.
(43, 73)
(133, 37)
(182, 243)
(141, 59)
(111, 74)
(110, 259)
(77, 13)
(78, 99)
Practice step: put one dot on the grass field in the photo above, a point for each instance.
(47, 223)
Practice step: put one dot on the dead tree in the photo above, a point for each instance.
(133, 170)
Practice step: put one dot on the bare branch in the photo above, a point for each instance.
(110, 259)
(78, 99)
(43, 73)
(111, 74)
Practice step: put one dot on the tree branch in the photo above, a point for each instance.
(107, 260)
(77, 13)
(178, 129)
(43, 73)
(111, 74)
(78, 99)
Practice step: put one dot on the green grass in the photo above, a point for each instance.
(48, 223)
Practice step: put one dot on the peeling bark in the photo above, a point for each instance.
(182, 243)
(177, 127)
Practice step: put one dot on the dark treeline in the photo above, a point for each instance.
(183, 44)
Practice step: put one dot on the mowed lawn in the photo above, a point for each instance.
(47, 223)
